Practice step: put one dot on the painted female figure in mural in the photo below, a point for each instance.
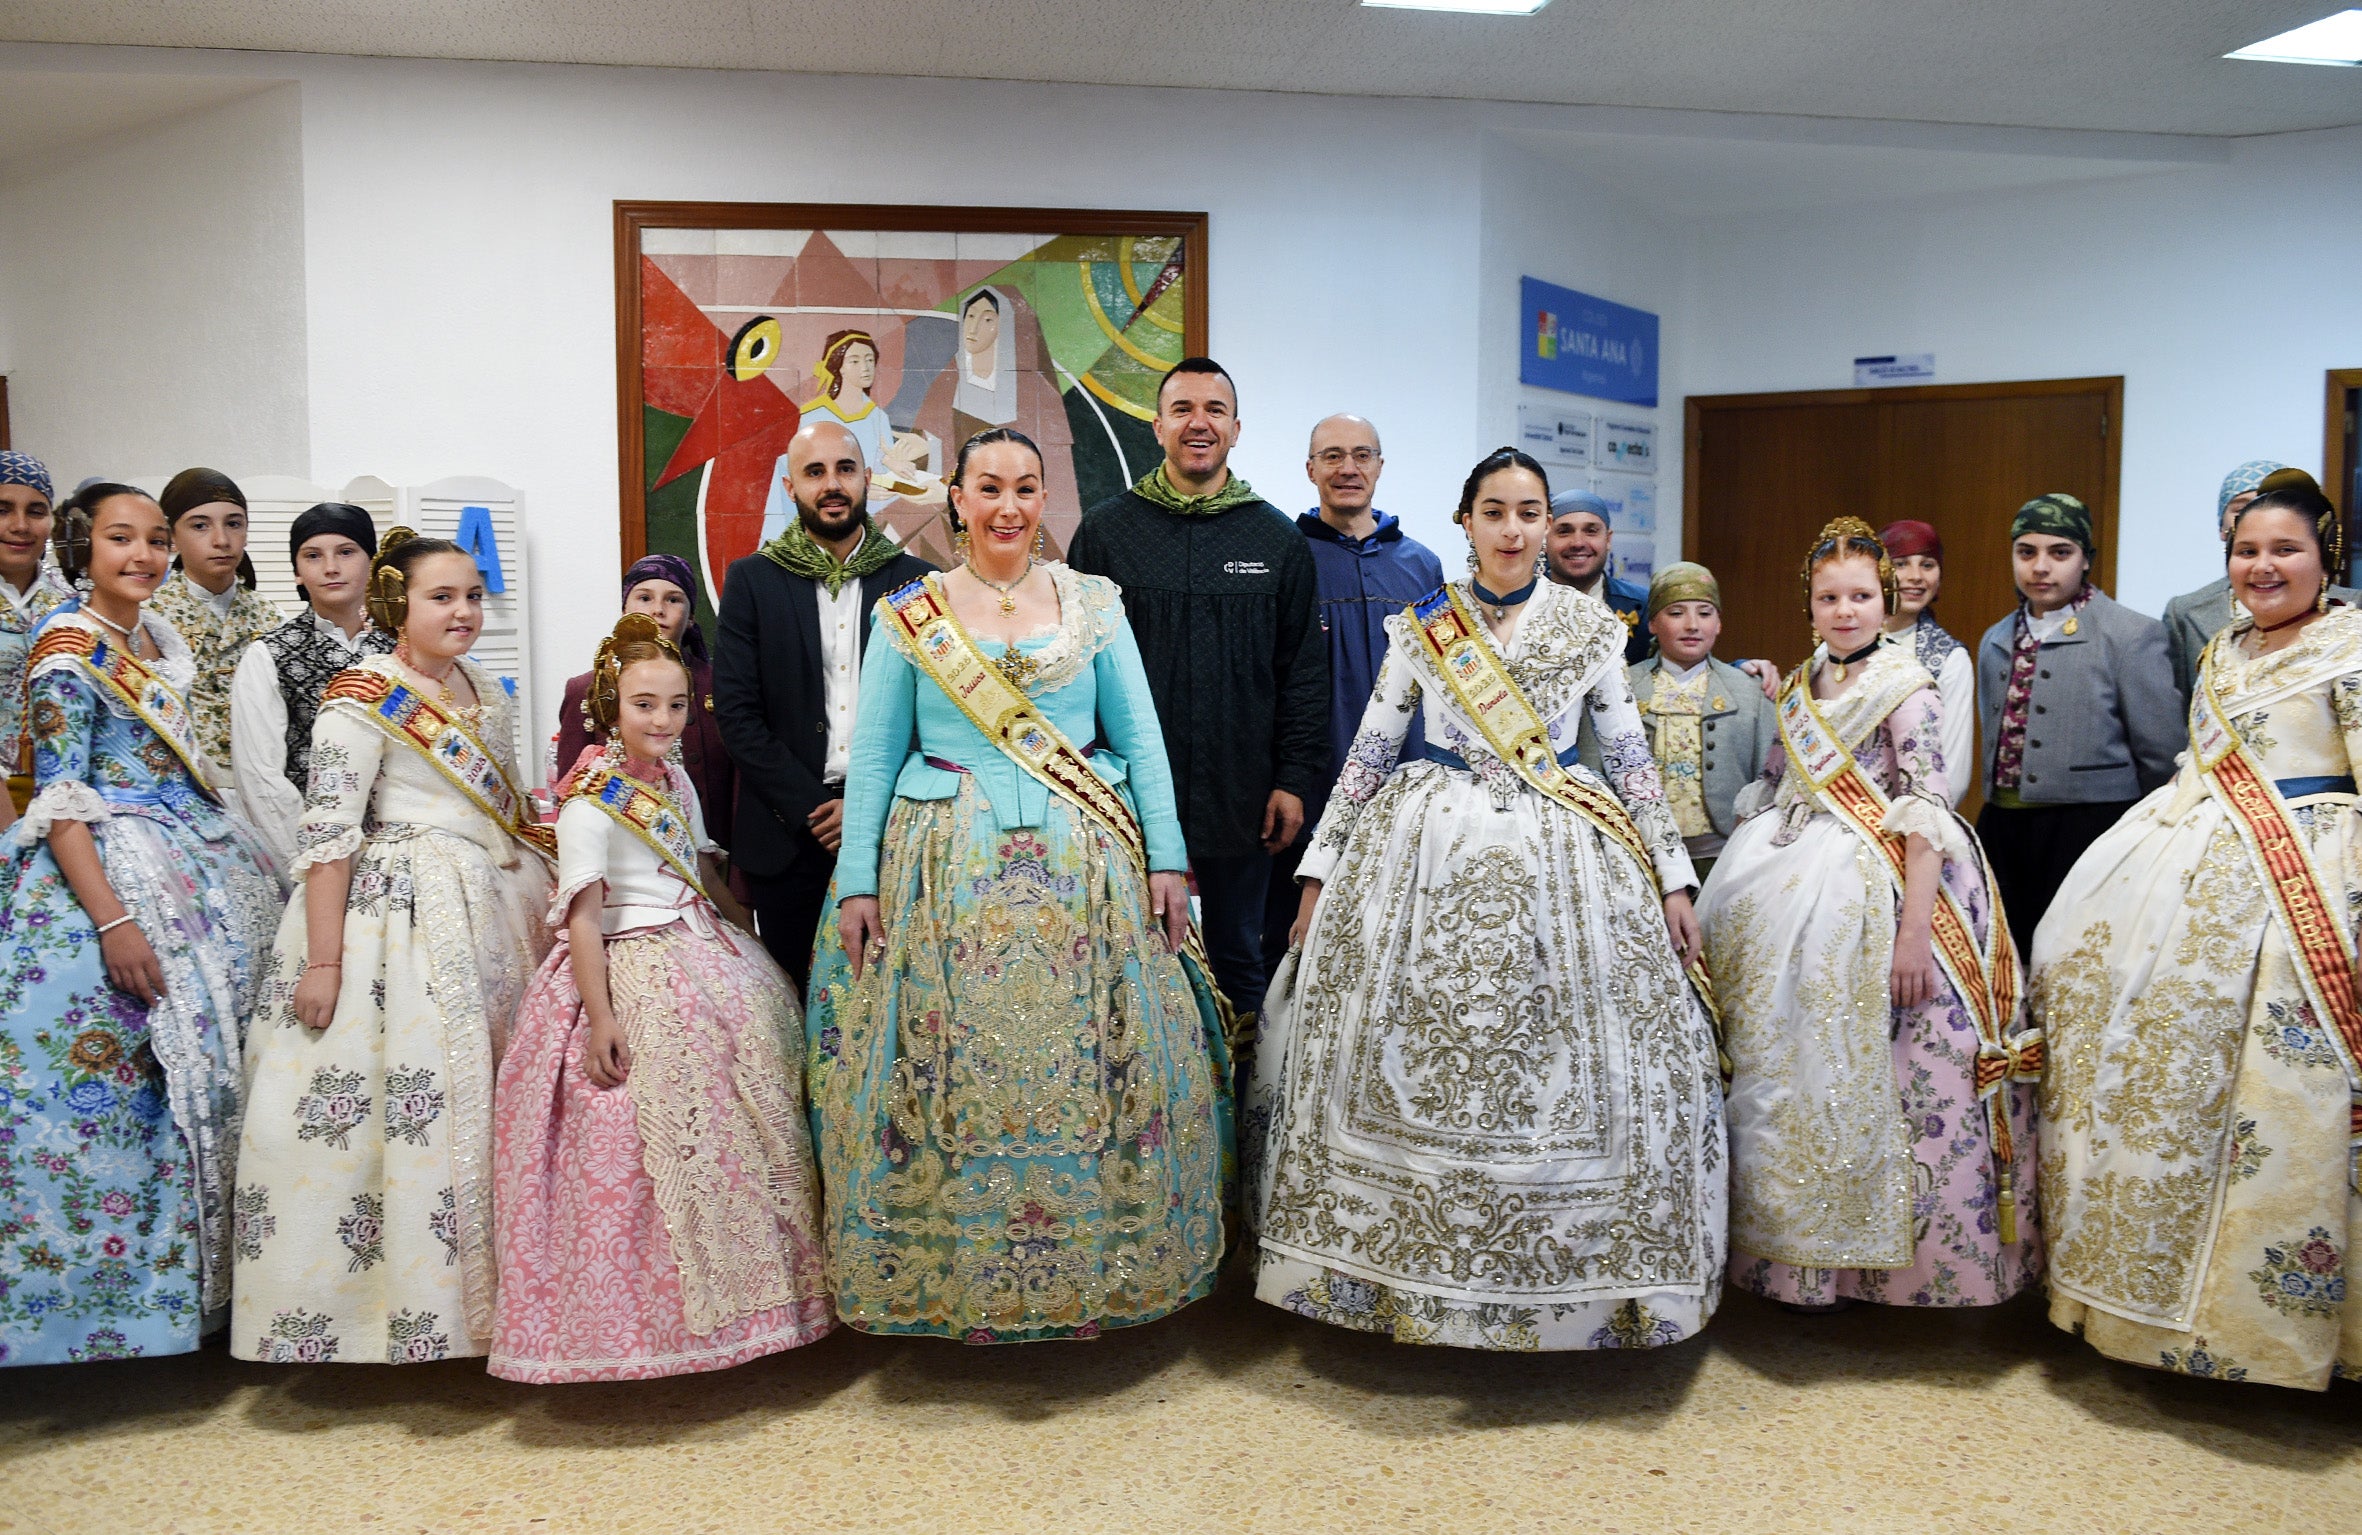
(1001, 377)
(848, 371)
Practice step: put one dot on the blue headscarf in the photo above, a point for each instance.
(2248, 476)
(1567, 501)
(24, 469)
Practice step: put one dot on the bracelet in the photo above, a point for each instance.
(105, 928)
(323, 964)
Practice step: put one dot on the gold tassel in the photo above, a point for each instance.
(2009, 1216)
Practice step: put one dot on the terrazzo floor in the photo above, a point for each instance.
(1230, 1416)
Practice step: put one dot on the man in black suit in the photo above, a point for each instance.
(787, 669)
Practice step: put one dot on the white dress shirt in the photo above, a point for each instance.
(258, 742)
(841, 619)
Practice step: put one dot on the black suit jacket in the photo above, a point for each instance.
(772, 706)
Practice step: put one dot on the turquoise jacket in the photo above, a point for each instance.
(1091, 686)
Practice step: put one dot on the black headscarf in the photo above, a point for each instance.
(192, 488)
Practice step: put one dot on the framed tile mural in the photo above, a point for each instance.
(916, 327)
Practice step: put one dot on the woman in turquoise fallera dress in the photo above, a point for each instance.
(119, 1107)
(1021, 1101)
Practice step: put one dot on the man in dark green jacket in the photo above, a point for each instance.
(1222, 595)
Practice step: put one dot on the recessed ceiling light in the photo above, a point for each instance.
(2331, 40)
(1466, 7)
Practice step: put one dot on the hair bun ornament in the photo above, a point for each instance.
(603, 706)
(389, 587)
(1843, 537)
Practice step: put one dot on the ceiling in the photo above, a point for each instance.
(2149, 66)
(44, 112)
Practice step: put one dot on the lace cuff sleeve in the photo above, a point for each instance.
(346, 756)
(1920, 814)
(65, 799)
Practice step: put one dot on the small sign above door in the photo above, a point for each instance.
(1909, 368)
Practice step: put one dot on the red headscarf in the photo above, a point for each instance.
(1903, 539)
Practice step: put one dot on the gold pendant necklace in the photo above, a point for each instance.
(1008, 592)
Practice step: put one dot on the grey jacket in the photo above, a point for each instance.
(1736, 735)
(2193, 618)
(2104, 722)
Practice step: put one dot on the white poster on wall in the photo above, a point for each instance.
(1625, 443)
(1632, 516)
(1554, 435)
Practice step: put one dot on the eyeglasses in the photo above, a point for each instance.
(1361, 458)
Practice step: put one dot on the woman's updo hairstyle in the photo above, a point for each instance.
(389, 574)
(1849, 538)
(1488, 466)
(69, 535)
(2303, 497)
(636, 638)
(985, 439)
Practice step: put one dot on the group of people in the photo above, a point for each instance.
(1485, 959)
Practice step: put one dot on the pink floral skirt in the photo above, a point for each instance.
(608, 1272)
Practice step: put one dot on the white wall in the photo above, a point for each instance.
(152, 285)
(1567, 226)
(460, 275)
(2221, 293)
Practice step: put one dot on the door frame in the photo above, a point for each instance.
(2341, 454)
(2110, 390)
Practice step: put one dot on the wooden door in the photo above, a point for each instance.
(1764, 472)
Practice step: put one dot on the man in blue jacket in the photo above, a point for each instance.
(1367, 570)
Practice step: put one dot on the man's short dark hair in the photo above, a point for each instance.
(1197, 365)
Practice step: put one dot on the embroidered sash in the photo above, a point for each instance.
(1490, 698)
(2301, 901)
(1000, 709)
(133, 684)
(406, 715)
(1985, 975)
(647, 814)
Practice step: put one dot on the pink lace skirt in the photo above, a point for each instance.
(608, 1272)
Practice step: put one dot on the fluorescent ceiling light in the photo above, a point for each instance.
(1468, 7)
(2331, 40)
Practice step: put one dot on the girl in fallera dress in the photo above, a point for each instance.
(136, 918)
(1485, 1109)
(2195, 979)
(1018, 1074)
(655, 1199)
(1881, 1107)
(364, 1199)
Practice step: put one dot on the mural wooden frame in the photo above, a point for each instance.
(631, 217)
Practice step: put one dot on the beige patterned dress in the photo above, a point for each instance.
(363, 1211)
(2195, 1168)
(1485, 1109)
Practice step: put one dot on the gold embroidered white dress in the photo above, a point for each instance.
(2195, 1168)
(363, 1213)
(1485, 1109)
(1862, 1156)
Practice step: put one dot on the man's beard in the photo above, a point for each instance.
(816, 522)
(1560, 574)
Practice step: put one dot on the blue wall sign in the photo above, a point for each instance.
(1585, 345)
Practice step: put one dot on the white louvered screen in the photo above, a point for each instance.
(435, 511)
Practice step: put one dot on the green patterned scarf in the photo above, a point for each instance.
(798, 553)
(1156, 487)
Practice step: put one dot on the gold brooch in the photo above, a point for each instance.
(1017, 666)
(2070, 627)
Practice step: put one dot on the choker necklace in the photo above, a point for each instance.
(1838, 663)
(1501, 605)
(130, 635)
(1008, 592)
(2311, 612)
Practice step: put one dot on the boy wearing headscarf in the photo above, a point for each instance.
(2075, 696)
(2193, 618)
(32, 589)
(276, 691)
(1709, 725)
(1918, 554)
(218, 624)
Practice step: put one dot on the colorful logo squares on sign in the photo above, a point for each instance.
(1584, 345)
